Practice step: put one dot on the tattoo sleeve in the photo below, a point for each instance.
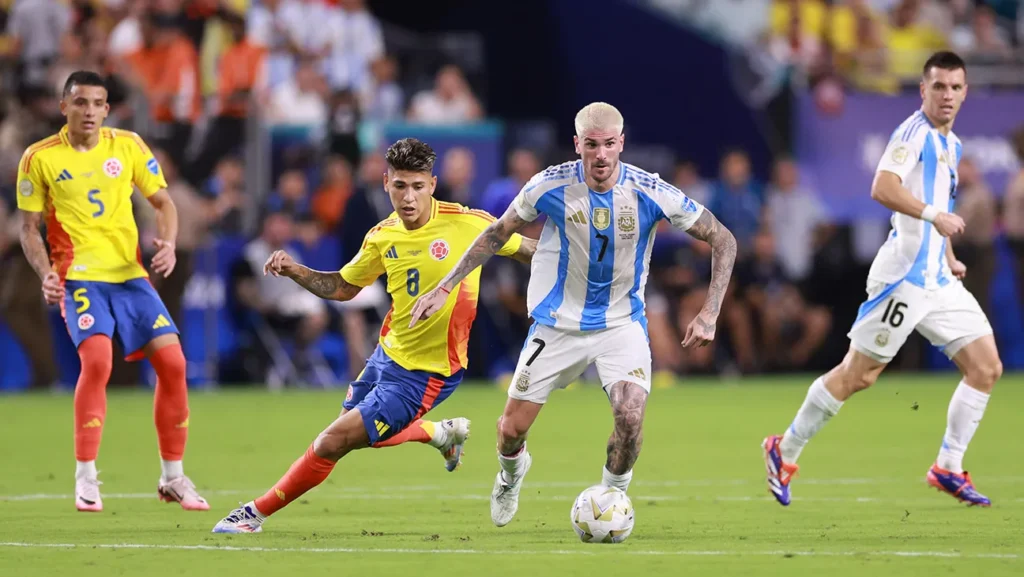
(326, 285)
(486, 245)
(32, 243)
(723, 257)
(629, 401)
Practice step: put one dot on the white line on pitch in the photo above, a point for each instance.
(616, 550)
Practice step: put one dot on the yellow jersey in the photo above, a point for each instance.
(86, 197)
(415, 262)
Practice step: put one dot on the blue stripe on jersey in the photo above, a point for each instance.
(959, 152)
(867, 306)
(931, 163)
(602, 264)
(650, 214)
(943, 280)
(552, 203)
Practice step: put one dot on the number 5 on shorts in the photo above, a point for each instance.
(540, 347)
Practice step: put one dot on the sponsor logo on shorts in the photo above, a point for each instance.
(86, 321)
(523, 381)
(381, 427)
(882, 338)
(348, 395)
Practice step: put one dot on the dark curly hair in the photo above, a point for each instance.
(411, 154)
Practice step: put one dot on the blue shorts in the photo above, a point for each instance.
(132, 309)
(390, 397)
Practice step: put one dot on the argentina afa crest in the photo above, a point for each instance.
(602, 218)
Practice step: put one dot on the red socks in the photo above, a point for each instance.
(305, 473)
(170, 404)
(419, 431)
(97, 357)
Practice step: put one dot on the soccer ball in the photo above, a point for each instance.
(602, 515)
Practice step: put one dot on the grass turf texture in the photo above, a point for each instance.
(860, 503)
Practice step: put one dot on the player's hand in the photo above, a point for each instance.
(427, 305)
(948, 224)
(53, 289)
(958, 268)
(280, 263)
(700, 332)
(164, 259)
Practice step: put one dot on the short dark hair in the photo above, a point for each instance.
(83, 78)
(411, 154)
(944, 60)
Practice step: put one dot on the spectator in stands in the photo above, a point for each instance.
(795, 215)
(35, 28)
(987, 42)
(910, 40)
(228, 183)
(300, 100)
(796, 33)
(331, 198)
(382, 98)
(455, 183)
(356, 40)
(292, 194)
(450, 102)
(343, 131)
(1013, 212)
(857, 41)
(686, 177)
(367, 206)
(126, 36)
(21, 304)
(736, 199)
(522, 165)
(976, 204)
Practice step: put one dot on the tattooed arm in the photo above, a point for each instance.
(35, 252)
(326, 285)
(526, 250)
(723, 256)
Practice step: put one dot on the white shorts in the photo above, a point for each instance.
(949, 317)
(554, 358)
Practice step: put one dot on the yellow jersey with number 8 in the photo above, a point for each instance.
(86, 201)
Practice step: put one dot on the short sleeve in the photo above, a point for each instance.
(902, 153)
(147, 175)
(679, 209)
(32, 186)
(366, 265)
(525, 203)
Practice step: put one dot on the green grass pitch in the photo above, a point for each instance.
(861, 505)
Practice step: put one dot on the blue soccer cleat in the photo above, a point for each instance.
(245, 519)
(959, 485)
(779, 473)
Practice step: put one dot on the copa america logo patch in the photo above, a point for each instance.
(86, 321)
(25, 187)
(153, 166)
(439, 249)
(112, 167)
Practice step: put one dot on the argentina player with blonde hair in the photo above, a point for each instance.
(914, 284)
(586, 291)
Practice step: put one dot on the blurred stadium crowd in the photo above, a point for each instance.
(207, 82)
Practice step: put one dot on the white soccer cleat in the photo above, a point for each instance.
(245, 519)
(505, 497)
(181, 490)
(456, 431)
(87, 495)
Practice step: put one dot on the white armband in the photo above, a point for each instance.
(929, 213)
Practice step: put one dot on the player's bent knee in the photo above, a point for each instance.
(858, 372)
(346, 434)
(984, 376)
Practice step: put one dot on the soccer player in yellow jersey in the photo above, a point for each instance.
(79, 183)
(413, 369)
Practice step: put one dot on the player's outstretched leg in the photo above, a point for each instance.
(824, 399)
(629, 402)
(448, 436)
(170, 414)
(513, 457)
(344, 435)
(96, 355)
(979, 362)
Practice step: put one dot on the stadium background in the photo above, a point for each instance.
(270, 117)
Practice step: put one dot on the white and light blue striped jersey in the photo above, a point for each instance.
(926, 162)
(591, 265)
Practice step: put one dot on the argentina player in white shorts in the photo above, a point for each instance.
(586, 291)
(914, 284)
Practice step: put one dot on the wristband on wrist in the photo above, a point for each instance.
(929, 213)
(446, 291)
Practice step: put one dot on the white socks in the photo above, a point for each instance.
(85, 470)
(171, 469)
(965, 411)
(512, 465)
(617, 481)
(819, 406)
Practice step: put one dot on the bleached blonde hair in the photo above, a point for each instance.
(598, 116)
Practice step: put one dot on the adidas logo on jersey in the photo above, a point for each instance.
(64, 175)
(391, 253)
(579, 218)
(161, 322)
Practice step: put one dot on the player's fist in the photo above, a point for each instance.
(700, 332)
(958, 268)
(280, 263)
(948, 224)
(428, 304)
(165, 258)
(53, 289)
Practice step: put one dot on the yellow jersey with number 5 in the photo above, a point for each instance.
(415, 261)
(86, 201)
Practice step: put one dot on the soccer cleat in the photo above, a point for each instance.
(245, 519)
(505, 497)
(959, 485)
(183, 491)
(456, 431)
(87, 495)
(779, 473)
